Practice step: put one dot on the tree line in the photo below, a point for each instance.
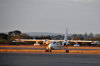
(16, 34)
(85, 36)
(12, 35)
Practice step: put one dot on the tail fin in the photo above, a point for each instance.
(66, 34)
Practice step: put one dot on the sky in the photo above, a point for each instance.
(79, 16)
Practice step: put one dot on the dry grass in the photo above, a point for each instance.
(84, 47)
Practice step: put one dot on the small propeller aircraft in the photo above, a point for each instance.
(58, 45)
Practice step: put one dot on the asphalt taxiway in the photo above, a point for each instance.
(33, 59)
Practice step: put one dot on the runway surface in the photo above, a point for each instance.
(33, 59)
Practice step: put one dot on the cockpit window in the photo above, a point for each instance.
(60, 43)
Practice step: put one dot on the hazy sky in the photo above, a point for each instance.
(79, 16)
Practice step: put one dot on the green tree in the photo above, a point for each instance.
(85, 36)
(3, 36)
(16, 34)
(97, 37)
(26, 36)
(90, 36)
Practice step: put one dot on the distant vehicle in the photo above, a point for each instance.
(76, 45)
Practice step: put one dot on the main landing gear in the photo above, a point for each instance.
(67, 51)
(48, 51)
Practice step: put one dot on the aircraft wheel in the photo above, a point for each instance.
(67, 51)
(49, 51)
(46, 51)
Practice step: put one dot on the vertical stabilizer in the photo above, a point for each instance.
(66, 34)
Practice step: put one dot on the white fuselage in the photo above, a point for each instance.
(55, 46)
